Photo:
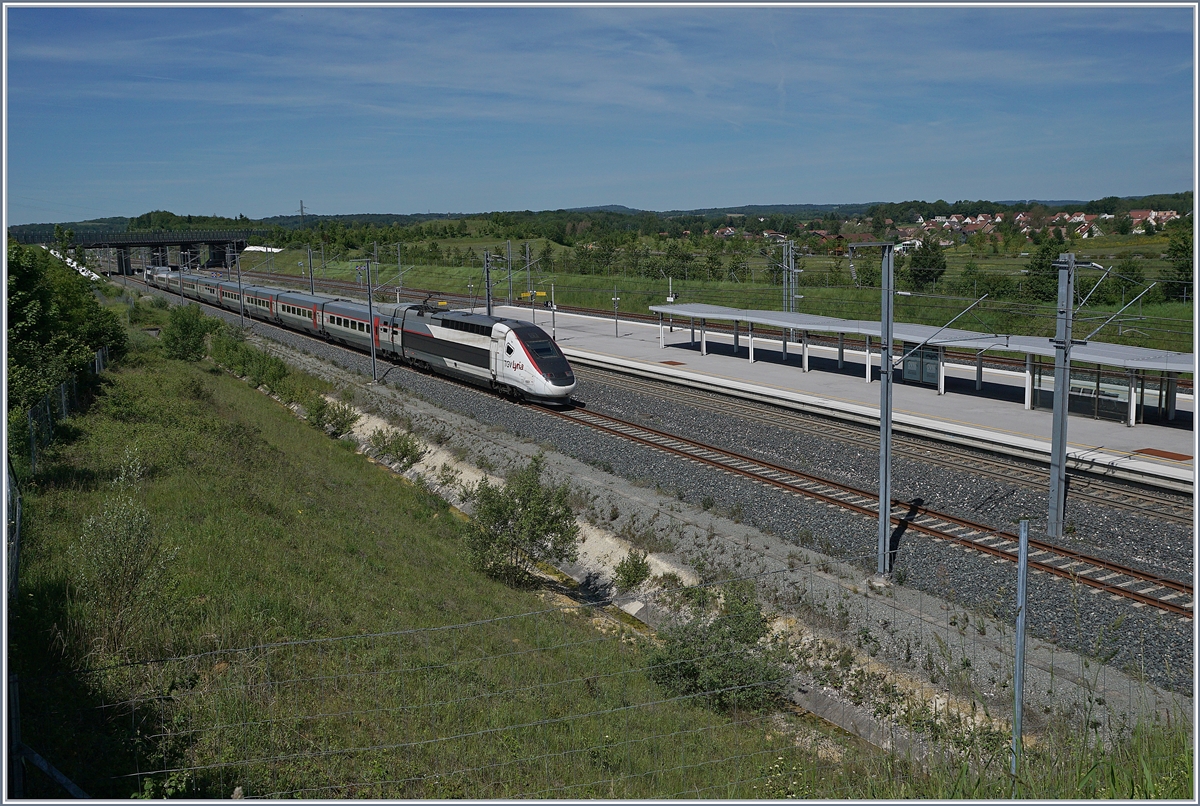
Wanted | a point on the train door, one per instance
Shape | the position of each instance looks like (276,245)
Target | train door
(497,353)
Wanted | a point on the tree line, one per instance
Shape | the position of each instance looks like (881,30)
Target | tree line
(55,325)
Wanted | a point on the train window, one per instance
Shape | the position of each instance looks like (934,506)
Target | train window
(508,349)
(543,349)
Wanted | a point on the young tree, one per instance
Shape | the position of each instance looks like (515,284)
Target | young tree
(183,337)
(521,523)
(927,264)
(1179,252)
(1126,282)
(1042,282)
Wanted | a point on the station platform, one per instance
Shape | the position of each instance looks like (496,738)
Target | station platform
(993,418)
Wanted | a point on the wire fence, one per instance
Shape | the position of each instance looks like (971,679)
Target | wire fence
(57,404)
(13,522)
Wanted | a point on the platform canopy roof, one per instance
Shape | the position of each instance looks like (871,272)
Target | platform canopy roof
(1094,352)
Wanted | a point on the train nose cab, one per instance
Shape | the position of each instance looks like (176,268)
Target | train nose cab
(532,363)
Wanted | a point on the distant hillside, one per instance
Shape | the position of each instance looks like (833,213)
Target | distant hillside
(380,219)
(798,210)
(162,220)
(607,208)
(114,224)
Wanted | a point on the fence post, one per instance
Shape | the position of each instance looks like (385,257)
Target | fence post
(13,546)
(32,444)
(16,762)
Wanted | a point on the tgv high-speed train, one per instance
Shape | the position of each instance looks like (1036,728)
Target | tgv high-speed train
(513,357)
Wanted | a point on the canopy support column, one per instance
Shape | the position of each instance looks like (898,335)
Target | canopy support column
(1131,376)
(1172,389)
(941,370)
(1028,381)
(979,371)
(750,339)
(841,350)
(804,350)
(662,339)
(867,358)
(736,345)
(703,338)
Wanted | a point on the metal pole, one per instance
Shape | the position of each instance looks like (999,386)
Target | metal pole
(399,273)
(553,308)
(508,252)
(885,411)
(487,281)
(241,299)
(371,329)
(1062,393)
(1019,653)
(616,322)
(529,283)
(312,288)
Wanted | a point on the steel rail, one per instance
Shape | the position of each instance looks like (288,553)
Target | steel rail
(843,495)
(1084,486)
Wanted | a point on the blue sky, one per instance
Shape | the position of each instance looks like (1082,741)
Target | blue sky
(231,111)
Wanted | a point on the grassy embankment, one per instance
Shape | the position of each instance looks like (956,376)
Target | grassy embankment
(273,534)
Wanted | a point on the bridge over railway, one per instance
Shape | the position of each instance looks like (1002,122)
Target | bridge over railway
(157,248)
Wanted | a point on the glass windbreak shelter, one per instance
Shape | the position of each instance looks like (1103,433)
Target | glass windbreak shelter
(920,366)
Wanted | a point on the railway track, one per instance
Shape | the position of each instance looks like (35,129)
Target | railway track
(1141,588)
(1083,487)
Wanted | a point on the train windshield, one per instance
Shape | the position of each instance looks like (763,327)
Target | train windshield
(545,353)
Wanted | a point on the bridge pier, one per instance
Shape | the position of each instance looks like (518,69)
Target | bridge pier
(218,255)
(122,260)
(160,256)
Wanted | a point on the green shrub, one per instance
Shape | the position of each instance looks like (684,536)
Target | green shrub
(122,571)
(341,417)
(316,409)
(401,446)
(632,571)
(724,660)
(523,522)
(183,336)
(229,349)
